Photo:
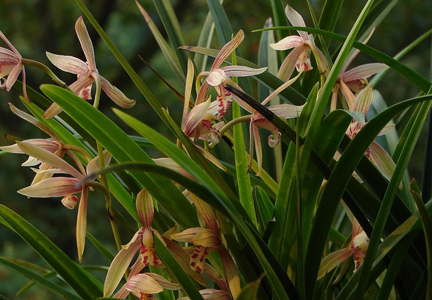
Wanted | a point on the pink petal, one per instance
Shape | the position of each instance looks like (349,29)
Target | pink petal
(332,260)
(288,42)
(13,76)
(288,65)
(227,50)
(382,160)
(68,64)
(81,225)
(145,209)
(8,61)
(286,111)
(363,100)
(116,95)
(195,116)
(86,43)
(242,71)
(118,268)
(49,145)
(50,158)
(52,187)
(363,71)
(296,20)
(143,283)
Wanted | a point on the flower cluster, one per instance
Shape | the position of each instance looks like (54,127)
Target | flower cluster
(72,172)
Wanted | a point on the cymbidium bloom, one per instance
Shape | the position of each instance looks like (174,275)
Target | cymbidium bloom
(11,66)
(219,76)
(357,247)
(375,152)
(211,294)
(198,124)
(299,57)
(86,72)
(145,285)
(62,186)
(205,241)
(354,80)
(285,111)
(142,241)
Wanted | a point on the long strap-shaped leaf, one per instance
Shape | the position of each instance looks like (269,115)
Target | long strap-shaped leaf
(419,80)
(38,279)
(338,181)
(123,149)
(235,212)
(78,279)
(67,137)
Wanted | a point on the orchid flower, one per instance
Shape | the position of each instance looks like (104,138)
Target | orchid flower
(299,57)
(353,81)
(375,152)
(65,187)
(142,241)
(54,145)
(145,285)
(198,123)
(86,72)
(211,294)
(219,76)
(357,247)
(285,111)
(205,241)
(11,65)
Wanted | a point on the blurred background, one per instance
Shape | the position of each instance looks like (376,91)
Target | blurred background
(37,26)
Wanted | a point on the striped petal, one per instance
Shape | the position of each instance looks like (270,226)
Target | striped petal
(382,160)
(86,43)
(242,71)
(227,49)
(68,64)
(118,268)
(292,41)
(145,209)
(50,158)
(296,20)
(116,95)
(363,71)
(52,187)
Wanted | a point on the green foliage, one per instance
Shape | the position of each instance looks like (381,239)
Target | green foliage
(224,217)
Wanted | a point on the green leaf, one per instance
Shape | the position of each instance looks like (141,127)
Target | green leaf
(265,207)
(180,275)
(241,163)
(68,136)
(38,279)
(172,27)
(78,279)
(222,24)
(250,291)
(416,78)
(124,149)
(330,14)
(267,79)
(236,212)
